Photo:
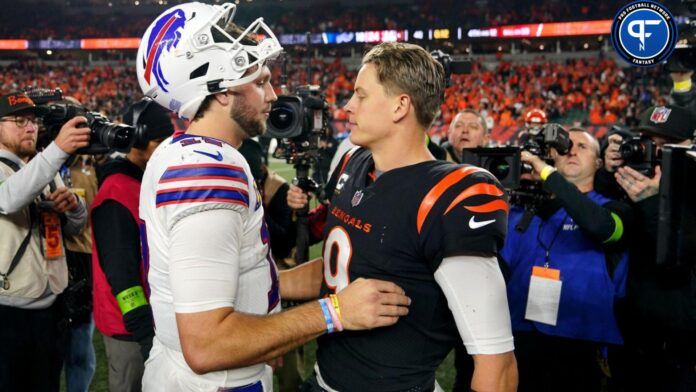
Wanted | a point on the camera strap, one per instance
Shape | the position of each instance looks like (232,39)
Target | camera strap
(4,281)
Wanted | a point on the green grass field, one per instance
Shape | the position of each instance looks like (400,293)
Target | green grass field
(445,374)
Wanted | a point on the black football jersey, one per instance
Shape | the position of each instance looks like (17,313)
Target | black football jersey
(398,228)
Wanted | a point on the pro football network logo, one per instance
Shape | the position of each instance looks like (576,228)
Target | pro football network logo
(644,33)
(165,35)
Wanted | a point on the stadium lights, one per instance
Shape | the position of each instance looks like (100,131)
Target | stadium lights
(586,45)
(541,47)
(49,52)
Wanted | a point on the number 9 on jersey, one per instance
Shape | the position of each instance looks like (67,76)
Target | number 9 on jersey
(337,253)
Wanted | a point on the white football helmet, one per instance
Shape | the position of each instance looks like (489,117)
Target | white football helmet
(186,55)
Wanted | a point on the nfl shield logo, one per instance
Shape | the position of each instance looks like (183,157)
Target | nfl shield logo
(660,114)
(357,197)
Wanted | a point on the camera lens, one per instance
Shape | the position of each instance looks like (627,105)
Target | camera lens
(281,117)
(113,136)
(632,150)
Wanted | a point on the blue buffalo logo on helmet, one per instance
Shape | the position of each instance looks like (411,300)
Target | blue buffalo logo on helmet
(165,35)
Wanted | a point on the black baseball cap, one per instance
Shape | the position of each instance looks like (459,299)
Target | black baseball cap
(672,122)
(16,102)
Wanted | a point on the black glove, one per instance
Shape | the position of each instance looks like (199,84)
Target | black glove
(139,323)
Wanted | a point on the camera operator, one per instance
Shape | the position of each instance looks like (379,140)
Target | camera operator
(658,318)
(121,309)
(33,202)
(467,130)
(574,246)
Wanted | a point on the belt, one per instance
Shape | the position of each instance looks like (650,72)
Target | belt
(254,387)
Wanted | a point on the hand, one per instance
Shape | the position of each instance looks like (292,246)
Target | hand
(371,303)
(63,200)
(681,76)
(536,163)
(71,138)
(637,186)
(297,199)
(612,157)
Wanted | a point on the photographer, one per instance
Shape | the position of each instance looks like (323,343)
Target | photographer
(119,271)
(567,270)
(658,318)
(33,202)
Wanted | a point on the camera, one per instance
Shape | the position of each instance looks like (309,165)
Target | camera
(105,136)
(505,162)
(293,116)
(451,66)
(540,141)
(298,122)
(640,154)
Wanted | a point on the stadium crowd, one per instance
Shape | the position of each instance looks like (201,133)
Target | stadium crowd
(580,91)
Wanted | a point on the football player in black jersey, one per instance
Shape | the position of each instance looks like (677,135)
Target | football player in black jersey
(432,227)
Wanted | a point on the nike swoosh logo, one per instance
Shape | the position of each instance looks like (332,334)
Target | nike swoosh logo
(477,225)
(217,157)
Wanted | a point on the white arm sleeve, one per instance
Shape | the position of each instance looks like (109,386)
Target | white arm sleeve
(476,295)
(204,263)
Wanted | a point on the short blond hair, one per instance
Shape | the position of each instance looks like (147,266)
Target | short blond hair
(409,69)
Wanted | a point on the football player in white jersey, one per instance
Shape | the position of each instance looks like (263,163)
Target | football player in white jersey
(214,289)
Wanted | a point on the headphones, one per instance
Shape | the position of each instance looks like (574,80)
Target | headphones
(140,139)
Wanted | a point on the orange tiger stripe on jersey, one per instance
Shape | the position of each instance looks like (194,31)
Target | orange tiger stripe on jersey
(478,189)
(440,188)
(491,206)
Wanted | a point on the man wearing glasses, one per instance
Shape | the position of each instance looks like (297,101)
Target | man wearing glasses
(33,271)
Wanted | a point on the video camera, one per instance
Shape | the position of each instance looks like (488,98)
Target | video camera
(641,154)
(299,122)
(54,113)
(451,66)
(505,163)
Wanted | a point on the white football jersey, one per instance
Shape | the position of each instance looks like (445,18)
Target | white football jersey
(189,175)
